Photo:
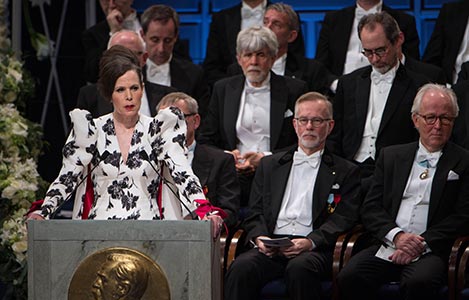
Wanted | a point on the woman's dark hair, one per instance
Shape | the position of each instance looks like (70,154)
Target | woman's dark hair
(114,63)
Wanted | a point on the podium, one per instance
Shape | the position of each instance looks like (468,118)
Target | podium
(61,251)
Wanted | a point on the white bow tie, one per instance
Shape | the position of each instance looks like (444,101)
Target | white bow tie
(154,69)
(377,77)
(256,90)
(247,13)
(312,160)
(360,12)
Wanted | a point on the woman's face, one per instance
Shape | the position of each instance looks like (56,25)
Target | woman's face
(127,94)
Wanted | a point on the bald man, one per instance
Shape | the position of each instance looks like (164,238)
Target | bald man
(89,98)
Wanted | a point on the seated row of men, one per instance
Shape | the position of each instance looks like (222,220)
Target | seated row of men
(338,47)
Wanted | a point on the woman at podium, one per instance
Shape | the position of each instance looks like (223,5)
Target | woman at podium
(122,155)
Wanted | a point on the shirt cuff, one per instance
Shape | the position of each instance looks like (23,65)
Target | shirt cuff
(389,237)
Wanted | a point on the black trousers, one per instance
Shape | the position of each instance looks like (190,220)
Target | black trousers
(252,270)
(365,273)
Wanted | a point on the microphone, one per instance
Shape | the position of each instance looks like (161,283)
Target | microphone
(144,156)
(101,158)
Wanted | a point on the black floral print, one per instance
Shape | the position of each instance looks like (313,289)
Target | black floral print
(155,127)
(124,191)
(134,160)
(108,128)
(136,138)
(69,149)
(68,181)
(180,139)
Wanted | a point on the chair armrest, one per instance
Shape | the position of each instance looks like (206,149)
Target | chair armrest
(457,264)
(343,250)
(232,247)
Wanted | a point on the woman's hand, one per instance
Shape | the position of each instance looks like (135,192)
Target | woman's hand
(34,216)
(217,224)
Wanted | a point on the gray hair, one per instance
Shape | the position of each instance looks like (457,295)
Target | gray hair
(438,88)
(314,97)
(174,97)
(293,21)
(256,38)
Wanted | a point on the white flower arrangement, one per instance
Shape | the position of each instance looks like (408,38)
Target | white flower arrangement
(20,146)
(14,236)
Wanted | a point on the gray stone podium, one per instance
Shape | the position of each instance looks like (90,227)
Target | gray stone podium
(184,250)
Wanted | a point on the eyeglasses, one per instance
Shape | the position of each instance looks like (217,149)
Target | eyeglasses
(380,52)
(316,122)
(431,119)
(189,115)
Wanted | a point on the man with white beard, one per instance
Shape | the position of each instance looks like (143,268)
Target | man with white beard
(250,115)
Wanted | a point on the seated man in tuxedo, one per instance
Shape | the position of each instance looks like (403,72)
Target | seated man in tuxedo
(339,47)
(224,28)
(250,115)
(305,193)
(160,30)
(284,22)
(214,168)
(418,204)
(372,104)
(91,100)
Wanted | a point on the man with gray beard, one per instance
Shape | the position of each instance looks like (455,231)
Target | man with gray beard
(250,115)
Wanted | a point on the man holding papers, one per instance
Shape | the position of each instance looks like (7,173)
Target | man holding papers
(305,194)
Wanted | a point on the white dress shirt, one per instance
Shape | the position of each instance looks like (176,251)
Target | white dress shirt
(296,212)
(380,87)
(159,73)
(132,23)
(413,211)
(463,54)
(354,58)
(252,16)
(144,105)
(279,65)
(253,123)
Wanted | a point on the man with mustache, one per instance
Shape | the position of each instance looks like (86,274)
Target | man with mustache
(306,194)
(372,104)
(250,115)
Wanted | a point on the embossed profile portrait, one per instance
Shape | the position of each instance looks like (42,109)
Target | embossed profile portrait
(119,274)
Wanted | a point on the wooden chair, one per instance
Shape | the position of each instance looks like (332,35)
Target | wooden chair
(456,267)
(276,289)
(458,271)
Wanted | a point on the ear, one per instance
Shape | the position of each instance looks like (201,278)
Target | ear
(331,126)
(123,290)
(414,119)
(293,35)
(400,39)
(144,58)
(196,121)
